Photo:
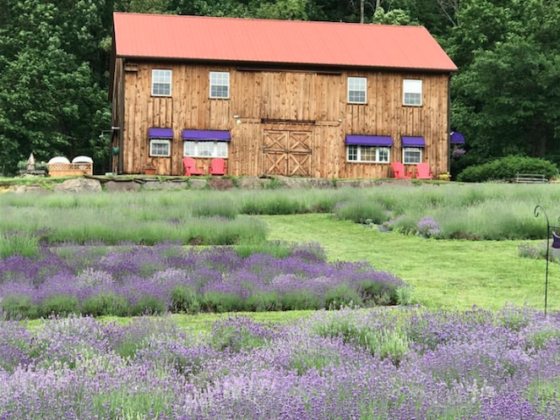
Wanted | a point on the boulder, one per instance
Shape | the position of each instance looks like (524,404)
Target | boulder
(250,183)
(198,183)
(221,184)
(79,185)
(289,182)
(354,183)
(122,186)
(24,189)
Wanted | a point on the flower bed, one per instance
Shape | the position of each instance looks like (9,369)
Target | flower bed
(380,364)
(92,280)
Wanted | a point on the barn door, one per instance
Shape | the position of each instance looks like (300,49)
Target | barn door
(275,156)
(287,153)
(299,153)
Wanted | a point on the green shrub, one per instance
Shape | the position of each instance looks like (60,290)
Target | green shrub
(16,243)
(224,208)
(303,299)
(342,296)
(59,305)
(264,302)
(362,211)
(507,168)
(105,304)
(276,249)
(184,299)
(377,293)
(19,306)
(222,302)
(148,305)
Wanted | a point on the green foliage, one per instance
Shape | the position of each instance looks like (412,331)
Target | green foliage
(303,299)
(147,305)
(105,304)
(184,299)
(59,305)
(263,302)
(362,211)
(19,306)
(507,168)
(342,296)
(18,243)
(503,100)
(221,302)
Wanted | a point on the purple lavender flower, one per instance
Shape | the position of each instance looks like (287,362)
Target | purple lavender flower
(428,227)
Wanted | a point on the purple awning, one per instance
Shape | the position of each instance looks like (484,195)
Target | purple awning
(413,142)
(160,133)
(383,141)
(457,138)
(206,135)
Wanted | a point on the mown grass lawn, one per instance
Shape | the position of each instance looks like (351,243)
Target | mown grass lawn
(444,273)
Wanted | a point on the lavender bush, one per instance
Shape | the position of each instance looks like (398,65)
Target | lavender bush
(538,251)
(348,364)
(135,280)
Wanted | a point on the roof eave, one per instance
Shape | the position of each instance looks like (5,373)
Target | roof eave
(273,64)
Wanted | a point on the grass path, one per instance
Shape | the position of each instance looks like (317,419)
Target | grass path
(444,274)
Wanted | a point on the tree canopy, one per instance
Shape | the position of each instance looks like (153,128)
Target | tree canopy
(54,59)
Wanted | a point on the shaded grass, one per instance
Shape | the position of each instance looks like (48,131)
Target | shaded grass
(444,274)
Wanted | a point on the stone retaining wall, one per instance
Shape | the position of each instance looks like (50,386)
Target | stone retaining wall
(98,184)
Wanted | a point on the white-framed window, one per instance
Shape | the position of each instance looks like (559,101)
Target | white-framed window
(412,92)
(206,149)
(412,155)
(357,90)
(161,82)
(160,147)
(368,154)
(219,85)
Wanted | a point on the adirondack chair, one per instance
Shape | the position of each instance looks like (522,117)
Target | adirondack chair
(217,167)
(423,171)
(398,171)
(190,167)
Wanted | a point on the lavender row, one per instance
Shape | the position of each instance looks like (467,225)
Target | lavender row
(136,280)
(349,364)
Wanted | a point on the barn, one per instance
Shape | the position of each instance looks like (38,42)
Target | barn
(314,99)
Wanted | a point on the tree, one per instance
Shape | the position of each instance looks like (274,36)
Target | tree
(52,104)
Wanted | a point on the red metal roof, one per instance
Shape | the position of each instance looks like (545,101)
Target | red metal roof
(278,41)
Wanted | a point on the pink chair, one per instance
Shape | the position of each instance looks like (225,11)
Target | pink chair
(423,171)
(217,167)
(190,167)
(398,171)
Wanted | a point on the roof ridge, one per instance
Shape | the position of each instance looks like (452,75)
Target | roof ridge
(328,22)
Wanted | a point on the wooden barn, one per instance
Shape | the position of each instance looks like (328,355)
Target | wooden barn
(319,99)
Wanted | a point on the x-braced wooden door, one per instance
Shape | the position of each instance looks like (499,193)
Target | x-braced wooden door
(287,153)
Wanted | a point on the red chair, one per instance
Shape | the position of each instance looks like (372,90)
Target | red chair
(217,167)
(398,171)
(423,171)
(190,167)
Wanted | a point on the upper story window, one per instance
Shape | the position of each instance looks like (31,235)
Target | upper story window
(160,148)
(219,85)
(412,92)
(357,88)
(161,82)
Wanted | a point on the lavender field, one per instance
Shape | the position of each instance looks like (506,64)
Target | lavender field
(348,364)
(134,280)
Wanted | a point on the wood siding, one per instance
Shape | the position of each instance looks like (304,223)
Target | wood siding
(274,101)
